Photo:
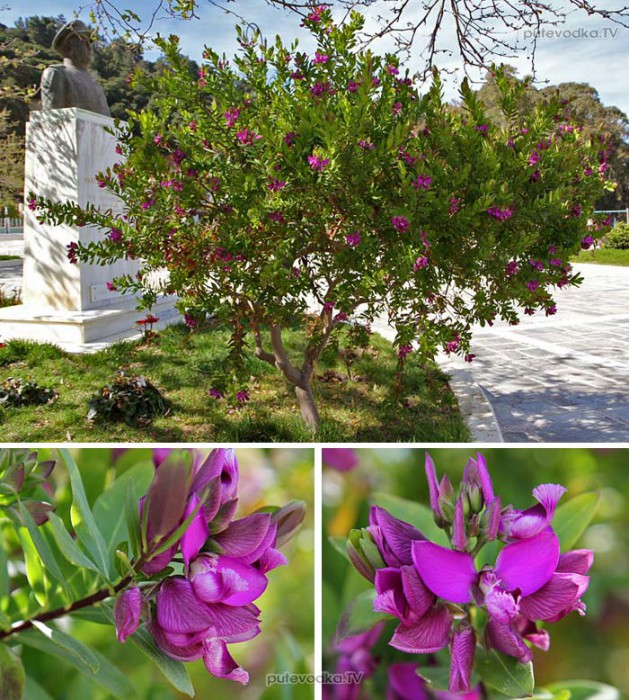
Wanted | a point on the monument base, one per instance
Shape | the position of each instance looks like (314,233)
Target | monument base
(82,331)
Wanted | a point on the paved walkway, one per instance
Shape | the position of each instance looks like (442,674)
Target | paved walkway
(563,378)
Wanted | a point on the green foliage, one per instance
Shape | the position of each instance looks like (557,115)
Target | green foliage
(505,673)
(133,400)
(288,186)
(573,517)
(12,675)
(16,392)
(618,237)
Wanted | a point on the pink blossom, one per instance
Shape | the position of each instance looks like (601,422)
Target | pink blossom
(534,158)
(73,252)
(481,128)
(191,322)
(576,211)
(290,138)
(247,137)
(397,108)
(115,235)
(532,285)
(587,242)
(216,394)
(353,239)
(202,81)
(400,223)
(276,185)
(353,86)
(157,139)
(192,126)
(420,263)
(317,163)
(455,205)
(297,75)
(392,70)
(422,182)
(341,316)
(366,145)
(277,216)
(328,306)
(320,57)
(500,214)
(231,116)
(404,350)
(321,88)
(32,204)
(512,268)
(242,396)
(111,287)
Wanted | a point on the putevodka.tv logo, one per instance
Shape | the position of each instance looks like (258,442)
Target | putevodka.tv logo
(325,678)
(578,33)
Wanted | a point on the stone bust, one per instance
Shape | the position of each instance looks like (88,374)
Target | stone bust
(70,84)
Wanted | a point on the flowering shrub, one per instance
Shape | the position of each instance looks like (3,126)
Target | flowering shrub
(176,573)
(481,580)
(286,188)
(618,237)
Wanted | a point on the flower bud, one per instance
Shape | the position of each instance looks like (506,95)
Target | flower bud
(364,553)
(288,520)
(127,611)
(447,499)
(459,537)
(490,520)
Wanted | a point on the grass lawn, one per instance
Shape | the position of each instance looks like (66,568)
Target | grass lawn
(10,257)
(603,256)
(181,365)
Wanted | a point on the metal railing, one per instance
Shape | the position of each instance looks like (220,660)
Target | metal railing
(617,214)
(11,225)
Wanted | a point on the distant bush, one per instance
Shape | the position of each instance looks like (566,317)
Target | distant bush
(133,400)
(17,392)
(618,237)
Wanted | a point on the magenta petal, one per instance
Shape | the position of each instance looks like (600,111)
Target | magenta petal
(245,536)
(343,459)
(226,580)
(363,640)
(578,561)
(161,561)
(538,637)
(178,610)
(501,605)
(522,525)
(390,598)
(462,650)
(549,495)
(234,624)
(196,533)
(418,597)
(191,652)
(528,564)
(426,635)
(127,609)
(433,484)
(271,559)
(558,595)
(448,574)
(396,535)
(219,663)
(507,640)
(459,538)
(405,683)
(485,480)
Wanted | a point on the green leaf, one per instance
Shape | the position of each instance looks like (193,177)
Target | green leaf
(585,690)
(414,513)
(107,675)
(69,548)
(83,519)
(109,509)
(12,677)
(44,551)
(505,673)
(572,518)
(132,518)
(175,671)
(437,676)
(34,569)
(34,691)
(4,570)
(359,616)
(69,644)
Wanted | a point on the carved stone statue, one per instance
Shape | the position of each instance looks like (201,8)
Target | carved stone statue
(70,84)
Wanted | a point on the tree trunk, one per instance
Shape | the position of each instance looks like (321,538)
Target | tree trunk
(308,407)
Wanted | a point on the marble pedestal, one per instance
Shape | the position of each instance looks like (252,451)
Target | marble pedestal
(69,304)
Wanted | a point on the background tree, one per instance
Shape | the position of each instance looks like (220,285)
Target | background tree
(328,190)
(586,107)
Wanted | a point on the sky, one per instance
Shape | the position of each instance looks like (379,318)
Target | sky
(589,50)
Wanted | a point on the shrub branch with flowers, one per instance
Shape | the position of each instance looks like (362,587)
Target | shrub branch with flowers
(175,572)
(481,580)
(331,189)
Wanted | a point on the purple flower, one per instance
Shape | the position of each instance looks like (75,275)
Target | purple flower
(111,287)
(534,158)
(353,86)
(455,205)
(127,610)
(576,211)
(400,223)
(290,138)
(115,235)
(216,393)
(231,116)
(392,70)
(462,648)
(422,182)
(532,285)
(366,145)
(353,239)
(404,350)
(397,108)
(500,214)
(518,524)
(276,185)
(247,137)
(420,263)
(512,268)
(320,88)
(341,459)
(73,252)
(317,163)
(481,128)
(242,396)
(320,57)
(277,216)
(148,204)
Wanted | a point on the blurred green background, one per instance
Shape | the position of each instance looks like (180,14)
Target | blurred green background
(594,647)
(267,477)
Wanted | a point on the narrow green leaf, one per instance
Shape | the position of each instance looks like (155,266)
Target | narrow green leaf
(69,548)
(83,519)
(34,691)
(12,676)
(359,616)
(572,518)
(505,673)
(132,518)
(586,690)
(44,551)
(107,675)
(4,570)
(34,569)
(175,671)
(414,513)
(109,509)
(69,644)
